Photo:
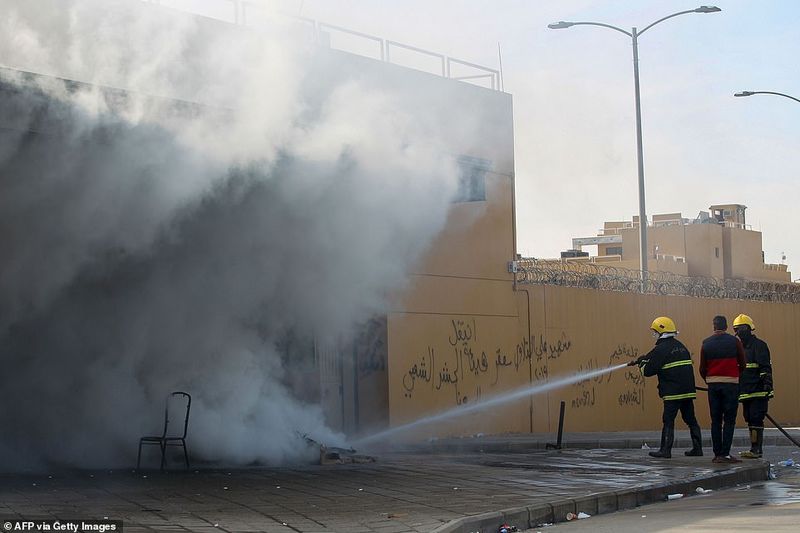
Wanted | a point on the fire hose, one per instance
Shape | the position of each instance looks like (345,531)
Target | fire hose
(770,419)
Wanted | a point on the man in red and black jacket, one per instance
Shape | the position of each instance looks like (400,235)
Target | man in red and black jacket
(721,363)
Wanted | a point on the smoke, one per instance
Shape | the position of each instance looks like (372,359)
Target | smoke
(226,199)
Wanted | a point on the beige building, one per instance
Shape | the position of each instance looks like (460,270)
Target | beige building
(718,243)
(467,329)
(473,325)
(476,321)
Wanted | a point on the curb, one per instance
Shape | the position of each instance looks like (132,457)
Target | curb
(601,502)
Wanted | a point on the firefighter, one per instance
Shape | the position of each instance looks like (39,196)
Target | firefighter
(672,363)
(755,383)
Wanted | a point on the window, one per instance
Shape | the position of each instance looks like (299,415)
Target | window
(614,250)
(716,252)
(472,179)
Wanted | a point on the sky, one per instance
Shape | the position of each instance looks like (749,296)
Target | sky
(574,103)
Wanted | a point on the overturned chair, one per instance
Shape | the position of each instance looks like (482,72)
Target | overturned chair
(176,402)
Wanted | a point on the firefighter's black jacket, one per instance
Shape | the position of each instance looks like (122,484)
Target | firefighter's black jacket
(672,363)
(756,379)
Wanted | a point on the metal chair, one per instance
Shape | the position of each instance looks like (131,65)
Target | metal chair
(165,439)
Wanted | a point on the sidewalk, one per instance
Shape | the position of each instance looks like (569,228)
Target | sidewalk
(401,492)
(525,442)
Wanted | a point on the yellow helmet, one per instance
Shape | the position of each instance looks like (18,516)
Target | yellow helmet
(744,320)
(663,324)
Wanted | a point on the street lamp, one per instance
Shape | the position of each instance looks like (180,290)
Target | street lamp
(634,35)
(751,93)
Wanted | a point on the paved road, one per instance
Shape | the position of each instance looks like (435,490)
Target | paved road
(772,506)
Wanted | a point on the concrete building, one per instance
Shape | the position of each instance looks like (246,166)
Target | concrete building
(717,243)
(469,325)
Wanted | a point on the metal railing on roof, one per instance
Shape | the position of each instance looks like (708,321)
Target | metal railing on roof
(447,67)
(589,275)
(660,223)
(592,259)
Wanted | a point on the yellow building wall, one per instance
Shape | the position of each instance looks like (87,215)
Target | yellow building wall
(460,334)
(603,327)
(668,265)
(451,360)
(455,333)
(443,362)
(745,255)
(705,250)
(630,244)
(459,331)
(697,243)
(653,265)
(669,240)
(773,274)
(710,250)
(477,241)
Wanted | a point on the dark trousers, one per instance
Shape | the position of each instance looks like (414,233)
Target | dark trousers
(754,411)
(723,402)
(686,407)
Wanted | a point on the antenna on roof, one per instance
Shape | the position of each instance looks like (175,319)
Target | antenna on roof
(500,59)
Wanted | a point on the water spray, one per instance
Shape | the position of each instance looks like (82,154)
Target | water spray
(492,402)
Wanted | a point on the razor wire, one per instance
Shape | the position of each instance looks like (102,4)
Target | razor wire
(610,278)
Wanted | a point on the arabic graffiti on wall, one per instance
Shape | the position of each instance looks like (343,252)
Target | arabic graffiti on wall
(464,364)
(467,363)
(633,388)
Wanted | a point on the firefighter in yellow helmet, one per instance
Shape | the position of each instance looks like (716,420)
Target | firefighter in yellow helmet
(755,383)
(672,363)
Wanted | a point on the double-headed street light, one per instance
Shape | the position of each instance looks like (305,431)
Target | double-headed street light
(634,35)
(751,93)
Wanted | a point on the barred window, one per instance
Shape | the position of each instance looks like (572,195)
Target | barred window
(472,179)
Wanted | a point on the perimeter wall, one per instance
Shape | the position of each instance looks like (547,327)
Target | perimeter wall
(467,344)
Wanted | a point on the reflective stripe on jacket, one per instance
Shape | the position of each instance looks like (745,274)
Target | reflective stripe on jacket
(756,379)
(672,363)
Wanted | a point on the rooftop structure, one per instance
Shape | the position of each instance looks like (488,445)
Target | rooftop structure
(717,243)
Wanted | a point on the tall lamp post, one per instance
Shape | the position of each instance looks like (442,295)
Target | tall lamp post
(751,93)
(634,35)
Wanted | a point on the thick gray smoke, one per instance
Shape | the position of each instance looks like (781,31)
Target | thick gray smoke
(178,233)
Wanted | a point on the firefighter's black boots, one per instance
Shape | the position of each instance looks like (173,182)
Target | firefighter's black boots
(697,443)
(667,438)
(756,443)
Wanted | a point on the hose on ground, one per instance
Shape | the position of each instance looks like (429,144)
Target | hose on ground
(771,420)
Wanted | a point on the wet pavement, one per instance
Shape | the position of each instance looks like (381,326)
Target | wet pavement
(524,442)
(766,506)
(401,492)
